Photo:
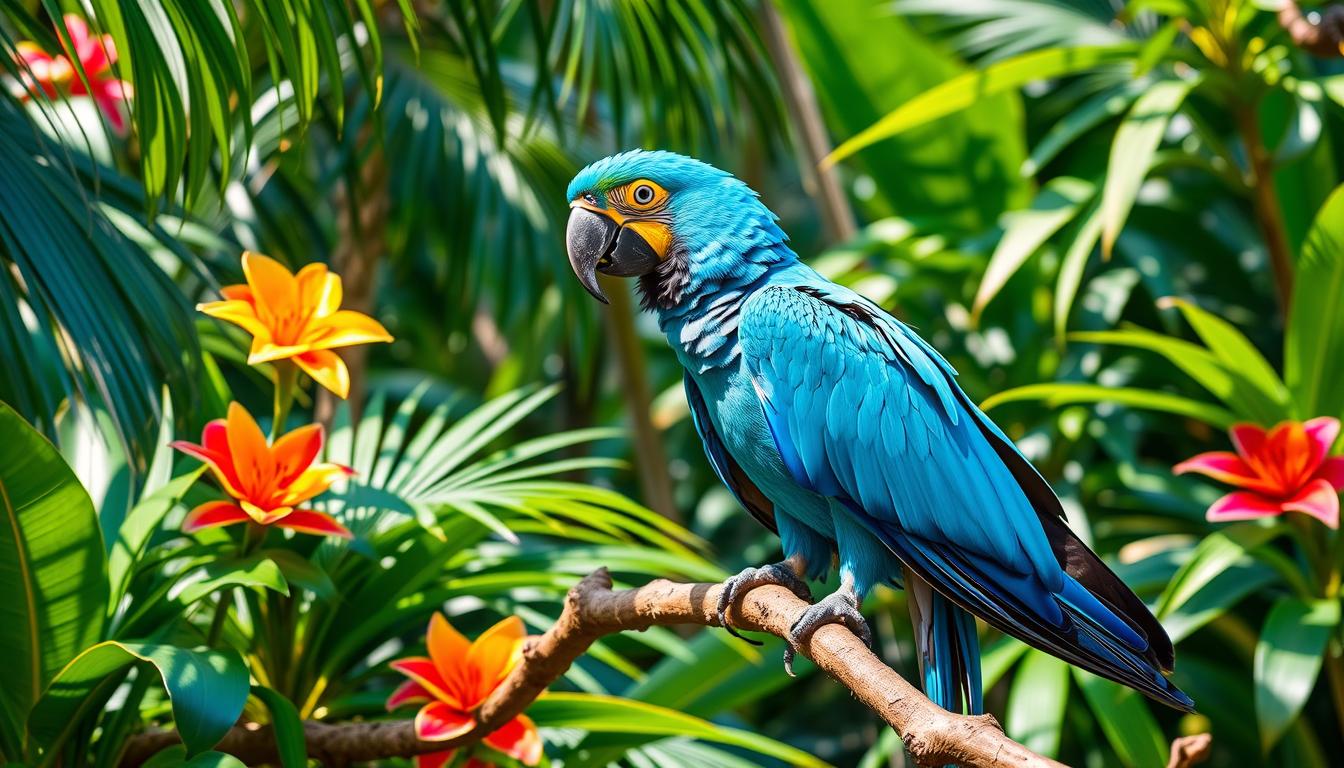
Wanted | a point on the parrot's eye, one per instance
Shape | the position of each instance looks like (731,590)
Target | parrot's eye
(590,198)
(643,196)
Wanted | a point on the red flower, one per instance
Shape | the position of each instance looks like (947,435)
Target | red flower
(1284,470)
(455,680)
(40,70)
(267,482)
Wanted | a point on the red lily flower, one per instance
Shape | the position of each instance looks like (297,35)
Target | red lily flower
(40,70)
(267,482)
(1284,470)
(453,682)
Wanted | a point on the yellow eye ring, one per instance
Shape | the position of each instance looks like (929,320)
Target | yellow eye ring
(643,195)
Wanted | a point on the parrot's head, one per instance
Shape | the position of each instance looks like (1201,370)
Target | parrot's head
(664,217)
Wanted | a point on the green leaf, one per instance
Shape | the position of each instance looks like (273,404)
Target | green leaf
(207,689)
(1036,702)
(1124,717)
(1314,344)
(176,757)
(1257,385)
(287,727)
(53,572)
(1132,152)
(1288,660)
(865,60)
(302,572)
(255,570)
(1066,393)
(1026,231)
(1215,554)
(609,714)
(133,533)
(965,90)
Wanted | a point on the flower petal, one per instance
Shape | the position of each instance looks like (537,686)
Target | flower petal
(1242,505)
(109,97)
(1332,471)
(435,759)
(294,452)
(310,521)
(1225,467)
(518,739)
(314,280)
(241,313)
(273,287)
(1322,431)
(422,670)
(328,369)
(437,721)
(448,650)
(252,459)
(1318,499)
(346,328)
(409,692)
(213,514)
(493,655)
(214,451)
(239,292)
(1248,439)
(312,482)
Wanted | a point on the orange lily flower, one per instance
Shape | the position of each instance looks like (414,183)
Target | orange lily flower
(40,70)
(296,317)
(1286,469)
(455,680)
(267,482)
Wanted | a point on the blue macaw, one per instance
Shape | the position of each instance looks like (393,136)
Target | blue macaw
(839,428)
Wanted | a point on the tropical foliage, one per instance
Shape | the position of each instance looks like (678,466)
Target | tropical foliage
(1123,223)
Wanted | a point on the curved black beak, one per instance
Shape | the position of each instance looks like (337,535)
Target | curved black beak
(595,244)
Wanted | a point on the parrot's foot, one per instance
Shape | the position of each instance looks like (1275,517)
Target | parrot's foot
(784,574)
(839,607)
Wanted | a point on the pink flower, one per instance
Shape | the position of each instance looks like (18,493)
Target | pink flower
(51,75)
(1283,470)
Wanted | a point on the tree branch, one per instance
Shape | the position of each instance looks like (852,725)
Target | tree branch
(592,610)
(1321,33)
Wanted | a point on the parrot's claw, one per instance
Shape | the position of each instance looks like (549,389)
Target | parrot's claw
(736,587)
(839,607)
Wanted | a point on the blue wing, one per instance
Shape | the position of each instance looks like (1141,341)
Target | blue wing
(864,411)
(723,463)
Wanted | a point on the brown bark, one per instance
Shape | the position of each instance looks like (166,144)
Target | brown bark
(813,143)
(592,610)
(360,246)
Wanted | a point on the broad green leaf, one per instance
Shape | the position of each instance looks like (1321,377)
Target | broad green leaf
(287,727)
(965,90)
(1132,152)
(1314,344)
(1124,717)
(998,658)
(1258,385)
(176,757)
(1066,393)
(1036,702)
(864,60)
(53,572)
(1074,263)
(255,570)
(302,572)
(1026,231)
(1288,659)
(1193,360)
(1224,591)
(1215,554)
(207,688)
(609,714)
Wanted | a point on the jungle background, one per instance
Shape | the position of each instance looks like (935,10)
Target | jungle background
(1119,222)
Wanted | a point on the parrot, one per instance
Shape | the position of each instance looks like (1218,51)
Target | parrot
(844,432)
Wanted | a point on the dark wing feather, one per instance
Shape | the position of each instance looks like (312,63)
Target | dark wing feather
(725,466)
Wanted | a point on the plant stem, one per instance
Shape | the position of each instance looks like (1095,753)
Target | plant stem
(1265,202)
(286,379)
(252,538)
